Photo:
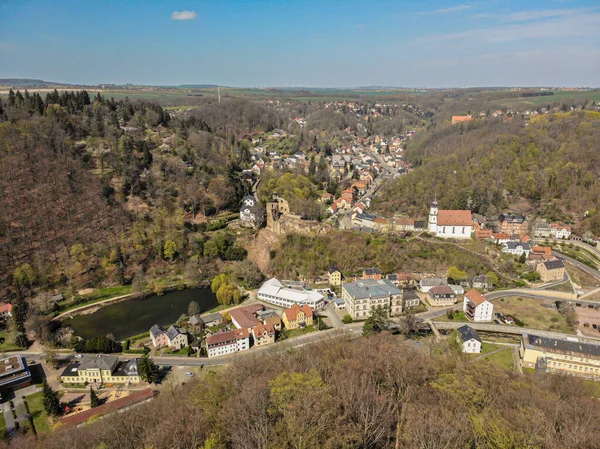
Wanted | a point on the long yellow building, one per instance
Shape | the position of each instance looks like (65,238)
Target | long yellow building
(104,369)
(567,357)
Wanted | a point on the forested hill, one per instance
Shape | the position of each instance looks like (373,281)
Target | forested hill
(548,165)
(94,190)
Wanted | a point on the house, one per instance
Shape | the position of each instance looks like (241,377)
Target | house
(450,224)
(14,373)
(553,270)
(517,248)
(326,197)
(297,316)
(251,213)
(559,231)
(365,295)
(212,319)
(245,317)
(471,342)
(427,284)
(177,337)
(513,223)
(335,276)
(410,299)
(500,238)
(372,273)
(274,292)
(476,307)
(263,334)
(159,336)
(393,278)
(196,321)
(460,119)
(224,343)
(6,310)
(568,357)
(483,234)
(545,252)
(441,295)
(57,298)
(481,282)
(457,289)
(339,303)
(101,369)
(542,229)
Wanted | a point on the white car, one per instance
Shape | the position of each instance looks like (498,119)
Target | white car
(78,356)
(188,374)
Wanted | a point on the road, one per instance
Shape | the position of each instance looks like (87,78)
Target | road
(581,266)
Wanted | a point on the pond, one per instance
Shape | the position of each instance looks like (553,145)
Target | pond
(136,316)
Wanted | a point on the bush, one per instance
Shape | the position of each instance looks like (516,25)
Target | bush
(347,319)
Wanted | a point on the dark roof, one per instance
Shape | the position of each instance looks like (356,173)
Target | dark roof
(211,317)
(562,345)
(554,264)
(156,330)
(512,218)
(392,277)
(468,333)
(333,269)
(372,271)
(441,290)
(174,331)
(409,294)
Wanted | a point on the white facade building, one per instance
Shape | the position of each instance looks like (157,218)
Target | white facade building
(450,224)
(476,307)
(471,342)
(274,292)
(227,342)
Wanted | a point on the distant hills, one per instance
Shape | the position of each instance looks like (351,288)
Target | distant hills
(27,82)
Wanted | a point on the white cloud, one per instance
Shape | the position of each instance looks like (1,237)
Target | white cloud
(522,16)
(449,10)
(184,15)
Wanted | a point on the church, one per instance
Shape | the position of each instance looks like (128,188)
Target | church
(450,224)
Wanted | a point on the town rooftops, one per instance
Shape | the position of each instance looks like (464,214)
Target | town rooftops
(433,282)
(211,317)
(441,290)
(223,338)
(174,331)
(515,245)
(454,218)
(156,330)
(6,308)
(372,271)
(10,365)
(244,316)
(292,312)
(366,288)
(105,362)
(554,264)
(274,288)
(556,345)
(475,297)
(195,320)
(512,218)
(500,236)
(468,333)
(333,269)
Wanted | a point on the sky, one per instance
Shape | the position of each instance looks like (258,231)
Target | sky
(326,43)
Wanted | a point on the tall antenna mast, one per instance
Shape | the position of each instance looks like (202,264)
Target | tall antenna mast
(219,92)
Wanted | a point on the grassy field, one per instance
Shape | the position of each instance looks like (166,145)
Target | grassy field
(459,317)
(41,420)
(8,344)
(580,277)
(486,348)
(297,332)
(579,254)
(564,287)
(543,101)
(503,358)
(98,295)
(530,312)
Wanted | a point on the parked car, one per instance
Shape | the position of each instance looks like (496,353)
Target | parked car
(78,356)
(595,326)
(496,322)
(188,374)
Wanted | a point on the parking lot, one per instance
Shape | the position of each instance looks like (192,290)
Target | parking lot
(589,316)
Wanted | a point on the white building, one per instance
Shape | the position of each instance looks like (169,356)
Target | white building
(227,342)
(274,292)
(476,307)
(559,231)
(471,342)
(450,224)
(427,284)
(517,248)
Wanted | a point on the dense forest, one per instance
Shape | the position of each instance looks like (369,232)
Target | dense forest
(376,392)
(95,191)
(548,165)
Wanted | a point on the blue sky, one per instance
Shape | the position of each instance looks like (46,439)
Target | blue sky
(303,43)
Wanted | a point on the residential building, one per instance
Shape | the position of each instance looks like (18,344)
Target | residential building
(212,319)
(6,310)
(372,273)
(441,295)
(476,307)
(365,295)
(500,238)
(569,356)
(263,334)
(542,229)
(460,119)
(560,231)
(196,321)
(177,337)
(245,317)
(457,289)
(14,373)
(224,343)
(517,248)
(251,213)
(551,271)
(159,336)
(470,339)
(101,369)
(335,276)
(410,299)
(427,284)
(274,292)
(297,316)
(483,233)
(481,282)
(513,223)
(339,303)
(450,224)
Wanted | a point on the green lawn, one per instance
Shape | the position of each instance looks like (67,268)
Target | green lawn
(564,287)
(101,294)
(486,348)
(2,427)
(459,317)
(502,358)
(8,345)
(530,312)
(298,332)
(36,408)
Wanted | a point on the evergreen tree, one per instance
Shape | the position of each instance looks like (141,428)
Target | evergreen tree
(51,401)
(11,98)
(147,369)
(94,399)
(19,312)
(377,322)
(313,166)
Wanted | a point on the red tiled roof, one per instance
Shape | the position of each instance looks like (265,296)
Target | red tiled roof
(501,236)
(244,316)
(292,312)
(454,218)
(475,297)
(6,308)
(223,337)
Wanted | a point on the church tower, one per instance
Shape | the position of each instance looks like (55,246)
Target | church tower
(433,216)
